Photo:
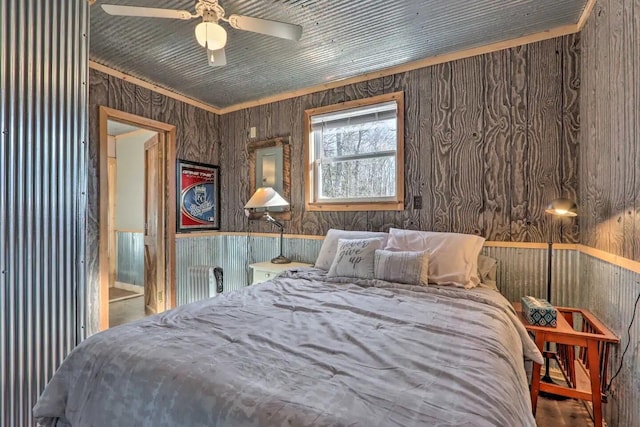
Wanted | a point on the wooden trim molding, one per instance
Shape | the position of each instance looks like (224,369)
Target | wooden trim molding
(103,242)
(168,134)
(158,89)
(617,260)
(586,12)
(245,234)
(531,245)
(355,207)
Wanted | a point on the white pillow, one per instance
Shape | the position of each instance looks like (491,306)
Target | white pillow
(355,258)
(453,257)
(330,244)
(402,267)
(487,267)
(487,270)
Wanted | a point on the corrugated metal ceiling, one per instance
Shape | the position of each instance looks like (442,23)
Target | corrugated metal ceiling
(341,39)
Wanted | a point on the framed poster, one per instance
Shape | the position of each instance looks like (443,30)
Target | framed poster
(198,196)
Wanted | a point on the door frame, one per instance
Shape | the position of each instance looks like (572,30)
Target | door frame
(169,193)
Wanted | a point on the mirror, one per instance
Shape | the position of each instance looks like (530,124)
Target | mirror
(270,166)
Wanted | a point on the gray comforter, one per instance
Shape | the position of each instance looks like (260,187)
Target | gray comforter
(302,350)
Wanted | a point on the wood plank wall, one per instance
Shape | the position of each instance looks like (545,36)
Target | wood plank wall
(489,141)
(610,118)
(196,139)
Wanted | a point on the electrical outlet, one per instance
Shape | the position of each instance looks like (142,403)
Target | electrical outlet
(417,202)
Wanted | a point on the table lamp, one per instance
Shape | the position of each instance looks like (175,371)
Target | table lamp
(564,208)
(267,197)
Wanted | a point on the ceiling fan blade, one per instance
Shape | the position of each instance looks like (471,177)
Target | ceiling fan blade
(283,30)
(217,58)
(146,12)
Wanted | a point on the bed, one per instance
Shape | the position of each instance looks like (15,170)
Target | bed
(305,349)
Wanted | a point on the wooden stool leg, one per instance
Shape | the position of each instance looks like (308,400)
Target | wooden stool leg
(594,373)
(535,374)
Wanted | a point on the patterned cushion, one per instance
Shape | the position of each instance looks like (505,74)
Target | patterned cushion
(330,244)
(409,267)
(355,258)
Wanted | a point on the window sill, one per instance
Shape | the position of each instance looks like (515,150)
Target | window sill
(363,206)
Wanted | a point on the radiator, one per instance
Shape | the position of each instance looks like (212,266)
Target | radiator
(205,281)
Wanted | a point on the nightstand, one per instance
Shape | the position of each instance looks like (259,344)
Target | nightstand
(263,271)
(585,372)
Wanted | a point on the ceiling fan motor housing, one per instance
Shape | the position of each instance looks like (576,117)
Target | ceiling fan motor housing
(205,7)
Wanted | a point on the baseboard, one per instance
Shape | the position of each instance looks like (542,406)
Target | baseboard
(130,287)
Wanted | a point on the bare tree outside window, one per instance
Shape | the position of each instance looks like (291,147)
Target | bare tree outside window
(355,154)
(369,177)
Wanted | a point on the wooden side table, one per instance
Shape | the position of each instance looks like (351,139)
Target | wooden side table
(585,373)
(263,271)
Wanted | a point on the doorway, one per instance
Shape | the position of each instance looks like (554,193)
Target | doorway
(137,219)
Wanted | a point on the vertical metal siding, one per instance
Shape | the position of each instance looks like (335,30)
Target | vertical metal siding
(610,292)
(234,254)
(130,257)
(43,101)
(523,271)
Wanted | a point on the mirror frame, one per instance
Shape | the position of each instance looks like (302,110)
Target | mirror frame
(253,147)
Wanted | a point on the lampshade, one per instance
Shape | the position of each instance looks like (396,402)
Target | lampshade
(562,207)
(211,35)
(266,197)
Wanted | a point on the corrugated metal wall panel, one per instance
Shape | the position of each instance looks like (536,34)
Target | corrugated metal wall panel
(234,253)
(262,248)
(610,292)
(199,251)
(130,258)
(520,271)
(43,102)
(523,271)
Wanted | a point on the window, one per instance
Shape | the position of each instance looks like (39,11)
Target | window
(355,155)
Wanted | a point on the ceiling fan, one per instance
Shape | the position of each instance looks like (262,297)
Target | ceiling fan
(209,33)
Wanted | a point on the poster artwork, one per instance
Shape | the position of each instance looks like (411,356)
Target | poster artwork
(198,197)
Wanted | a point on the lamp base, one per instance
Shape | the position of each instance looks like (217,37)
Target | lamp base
(551,396)
(280,259)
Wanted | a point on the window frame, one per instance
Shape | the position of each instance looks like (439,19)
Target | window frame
(396,203)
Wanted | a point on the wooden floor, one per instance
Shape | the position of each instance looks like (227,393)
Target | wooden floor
(117,294)
(561,413)
(126,310)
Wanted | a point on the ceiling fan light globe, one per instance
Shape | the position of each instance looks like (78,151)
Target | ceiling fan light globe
(211,35)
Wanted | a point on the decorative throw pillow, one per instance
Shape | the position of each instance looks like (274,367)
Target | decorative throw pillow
(453,257)
(409,267)
(355,258)
(330,244)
